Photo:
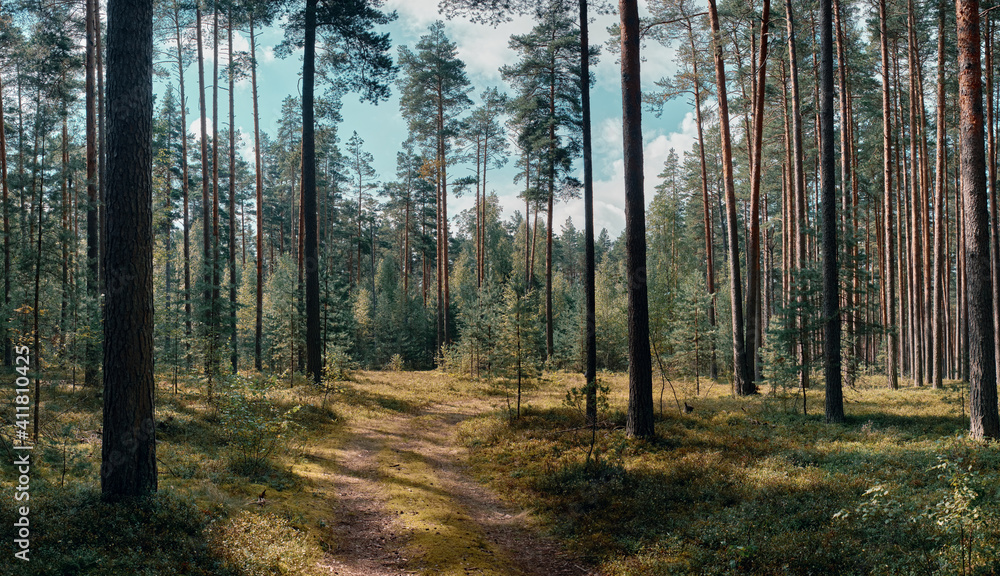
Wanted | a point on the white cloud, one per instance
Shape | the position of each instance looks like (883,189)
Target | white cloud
(195,127)
(483,48)
(609,186)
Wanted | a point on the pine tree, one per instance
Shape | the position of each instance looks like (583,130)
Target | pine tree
(434,94)
(128,454)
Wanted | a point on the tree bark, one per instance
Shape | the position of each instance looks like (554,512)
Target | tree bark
(6,227)
(940,212)
(206,215)
(313,360)
(128,452)
(831,279)
(753,330)
(639,422)
(706,209)
(92,351)
(742,385)
(184,185)
(259,169)
(887,210)
(982,373)
(234,354)
(590,304)
(799,195)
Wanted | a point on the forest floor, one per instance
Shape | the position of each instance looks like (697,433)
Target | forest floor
(393,473)
(405,502)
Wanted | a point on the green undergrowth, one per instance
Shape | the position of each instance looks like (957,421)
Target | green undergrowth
(215,460)
(753,486)
(274,437)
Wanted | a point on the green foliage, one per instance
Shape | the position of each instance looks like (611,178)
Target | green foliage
(734,489)
(576,398)
(254,426)
(339,364)
(74,532)
(954,526)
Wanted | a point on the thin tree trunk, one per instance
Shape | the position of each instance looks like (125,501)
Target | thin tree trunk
(940,212)
(184,187)
(753,329)
(35,332)
(234,356)
(590,307)
(313,359)
(259,170)
(916,194)
(6,227)
(848,224)
(102,157)
(206,221)
(887,210)
(92,352)
(742,385)
(706,210)
(216,324)
(799,186)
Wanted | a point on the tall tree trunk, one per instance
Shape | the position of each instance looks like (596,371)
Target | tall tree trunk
(184,186)
(916,206)
(64,225)
(982,374)
(831,279)
(216,324)
(991,183)
(549,351)
(259,170)
(35,332)
(590,306)
(102,157)
(234,355)
(887,210)
(742,385)
(847,216)
(799,194)
(6,228)
(706,209)
(753,330)
(640,405)
(206,215)
(92,352)
(313,360)
(128,452)
(940,212)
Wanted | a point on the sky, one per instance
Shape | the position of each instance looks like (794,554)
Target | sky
(483,49)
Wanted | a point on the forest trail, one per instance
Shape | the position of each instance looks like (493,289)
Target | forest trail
(404,503)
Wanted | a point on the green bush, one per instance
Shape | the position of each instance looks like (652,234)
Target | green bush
(74,533)
(254,426)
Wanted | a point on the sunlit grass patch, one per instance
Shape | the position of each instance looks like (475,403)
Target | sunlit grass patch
(750,486)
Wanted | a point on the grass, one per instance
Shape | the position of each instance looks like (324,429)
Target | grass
(206,518)
(738,486)
(752,487)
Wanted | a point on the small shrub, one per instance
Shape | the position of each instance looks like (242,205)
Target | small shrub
(254,427)
(576,398)
(339,364)
(396,363)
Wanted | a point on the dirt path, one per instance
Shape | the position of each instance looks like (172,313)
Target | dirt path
(406,505)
